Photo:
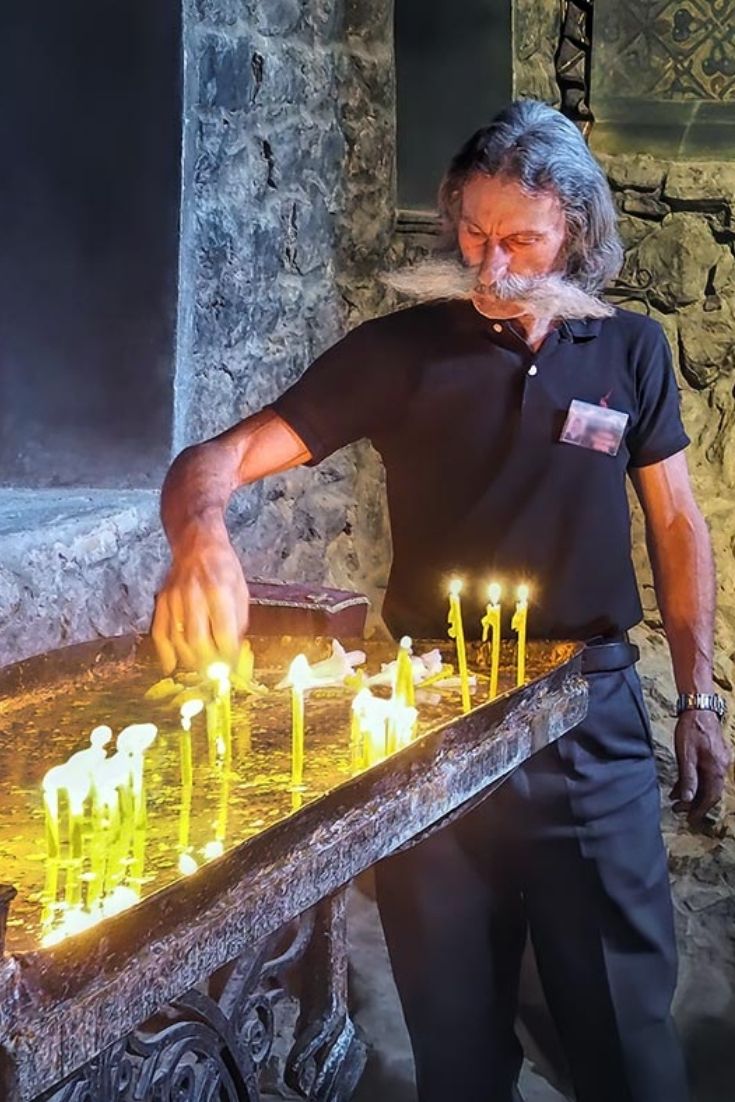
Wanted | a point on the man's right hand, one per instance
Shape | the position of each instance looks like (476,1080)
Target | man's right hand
(202,610)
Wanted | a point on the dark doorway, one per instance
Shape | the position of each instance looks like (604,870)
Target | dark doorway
(454,72)
(90,140)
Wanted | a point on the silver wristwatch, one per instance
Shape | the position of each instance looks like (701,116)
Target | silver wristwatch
(708,702)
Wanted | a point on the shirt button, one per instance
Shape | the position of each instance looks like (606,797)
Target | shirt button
(498,328)
(533,370)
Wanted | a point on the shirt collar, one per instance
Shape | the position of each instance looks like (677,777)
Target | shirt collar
(580,329)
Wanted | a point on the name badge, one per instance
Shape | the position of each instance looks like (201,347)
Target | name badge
(595,427)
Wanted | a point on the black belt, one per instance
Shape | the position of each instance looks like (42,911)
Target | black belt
(606,655)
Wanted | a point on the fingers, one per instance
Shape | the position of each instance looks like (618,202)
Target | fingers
(688,781)
(225,626)
(160,631)
(182,631)
(709,793)
(192,629)
(202,612)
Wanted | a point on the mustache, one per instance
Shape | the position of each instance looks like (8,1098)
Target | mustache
(544,296)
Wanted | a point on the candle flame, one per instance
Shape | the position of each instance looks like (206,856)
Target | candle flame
(189,709)
(455,587)
(187,864)
(136,738)
(406,642)
(299,673)
(522,594)
(219,672)
(100,736)
(494,591)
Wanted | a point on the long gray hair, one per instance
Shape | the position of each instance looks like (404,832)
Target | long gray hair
(540,148)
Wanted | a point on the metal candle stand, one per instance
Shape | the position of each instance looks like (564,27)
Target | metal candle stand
(181,996)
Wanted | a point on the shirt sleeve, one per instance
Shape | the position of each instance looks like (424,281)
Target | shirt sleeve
(657,432)
(356,389)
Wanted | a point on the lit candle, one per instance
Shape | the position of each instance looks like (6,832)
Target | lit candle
(491,623)
(77,789)
(137,863)
(456,632)
(219,713)
(50,785)
(132,743)
(184,820)
(369,715)
(187,864)
(403,689)
(402,722)
(50,890)
(357,749)
(189,709)
(298,676)
(220,831)
(518,624)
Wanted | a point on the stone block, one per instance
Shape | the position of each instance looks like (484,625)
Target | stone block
(675,260)
(224,13)
(225,75)
(644,205)
(707,343)
(277,18)
(700,182)
(636,172)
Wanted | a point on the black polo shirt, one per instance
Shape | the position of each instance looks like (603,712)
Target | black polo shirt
(467,420)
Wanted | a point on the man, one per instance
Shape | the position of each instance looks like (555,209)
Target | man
(466,397)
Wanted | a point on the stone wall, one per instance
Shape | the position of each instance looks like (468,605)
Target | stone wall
(676,220)
(288,211)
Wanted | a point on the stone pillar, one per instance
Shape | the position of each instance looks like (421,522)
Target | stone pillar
(287,210)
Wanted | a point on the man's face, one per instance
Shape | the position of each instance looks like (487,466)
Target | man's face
(505,231)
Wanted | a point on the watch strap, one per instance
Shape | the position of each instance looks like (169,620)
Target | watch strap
(706,702)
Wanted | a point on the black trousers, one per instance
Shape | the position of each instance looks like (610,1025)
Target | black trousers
(569,849)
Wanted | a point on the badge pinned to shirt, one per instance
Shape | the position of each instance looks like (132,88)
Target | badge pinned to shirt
(596,427)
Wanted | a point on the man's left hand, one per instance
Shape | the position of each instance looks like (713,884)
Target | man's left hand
(704,758)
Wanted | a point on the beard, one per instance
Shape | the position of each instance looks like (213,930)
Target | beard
(512,296)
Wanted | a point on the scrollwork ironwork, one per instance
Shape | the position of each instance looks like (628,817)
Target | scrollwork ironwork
(573,62)
(211,1044)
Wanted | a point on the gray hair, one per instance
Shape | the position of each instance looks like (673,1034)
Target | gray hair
(544,151)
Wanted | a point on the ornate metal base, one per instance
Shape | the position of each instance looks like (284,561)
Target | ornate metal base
(217,1042)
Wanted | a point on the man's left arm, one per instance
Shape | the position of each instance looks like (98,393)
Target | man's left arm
(684,579)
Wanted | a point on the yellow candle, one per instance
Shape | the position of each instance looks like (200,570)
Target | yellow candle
(244,734)
(245,667)
(298,675)
(184,819)
(137,864)
(518,624)
(491,624)
(52,782)
(219,725)
(132,743)
(357,752)
(403,688)
(77,790)
(189,709)
(212,730)
(456,632)
(369,727)
(50,889)
(220,831)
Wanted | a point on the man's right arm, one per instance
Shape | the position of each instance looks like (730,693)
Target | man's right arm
(202,609)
